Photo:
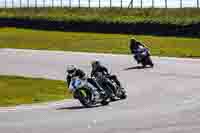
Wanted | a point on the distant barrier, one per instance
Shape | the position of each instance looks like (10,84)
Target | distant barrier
(100,3)
(191,30)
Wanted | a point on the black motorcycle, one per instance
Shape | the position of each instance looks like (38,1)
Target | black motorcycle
(110,86)
(118,91)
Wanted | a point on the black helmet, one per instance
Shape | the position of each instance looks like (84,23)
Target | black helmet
(95,64)
(134,44)
(133,41)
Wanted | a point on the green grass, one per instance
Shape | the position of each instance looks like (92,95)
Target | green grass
(19,90)
(92,42)
(181,17)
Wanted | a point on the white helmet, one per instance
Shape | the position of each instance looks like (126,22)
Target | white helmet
(71,69)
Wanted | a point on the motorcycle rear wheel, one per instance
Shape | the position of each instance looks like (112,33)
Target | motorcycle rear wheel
(104,102)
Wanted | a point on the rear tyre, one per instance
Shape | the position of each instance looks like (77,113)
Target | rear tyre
(143,64)
(104,102)
(113,99)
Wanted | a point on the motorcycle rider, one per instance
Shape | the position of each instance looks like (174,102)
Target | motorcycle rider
(136,48)
(75,72)
(97,67)
(72,72)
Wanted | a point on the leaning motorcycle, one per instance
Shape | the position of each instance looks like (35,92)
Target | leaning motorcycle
(118,91)
(82,90)
(144,57)
(110,87)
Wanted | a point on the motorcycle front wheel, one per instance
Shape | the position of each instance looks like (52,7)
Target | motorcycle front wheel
(85,96)
(123,96)
(147,61)
(121,93)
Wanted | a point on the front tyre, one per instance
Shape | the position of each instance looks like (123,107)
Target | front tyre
(85,96)
(147,61)
(151,63)
(123,96)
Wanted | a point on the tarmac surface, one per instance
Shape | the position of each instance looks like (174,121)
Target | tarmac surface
(163,99)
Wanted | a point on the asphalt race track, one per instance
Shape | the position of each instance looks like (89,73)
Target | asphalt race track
(165,99)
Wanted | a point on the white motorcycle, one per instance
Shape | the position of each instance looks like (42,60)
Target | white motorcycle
(83,91)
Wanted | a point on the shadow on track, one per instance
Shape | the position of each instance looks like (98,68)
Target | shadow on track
(116,100)
(136,67)
(78,107)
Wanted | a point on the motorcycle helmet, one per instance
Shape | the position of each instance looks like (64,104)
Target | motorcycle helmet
(133,40)
(71,69)
(95,64)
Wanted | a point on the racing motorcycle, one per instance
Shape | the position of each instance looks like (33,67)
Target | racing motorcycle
(83,91)
(143,57)
(118,91)
(110,86)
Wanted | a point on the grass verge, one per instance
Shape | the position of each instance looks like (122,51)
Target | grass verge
(19,90)
(100,43)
